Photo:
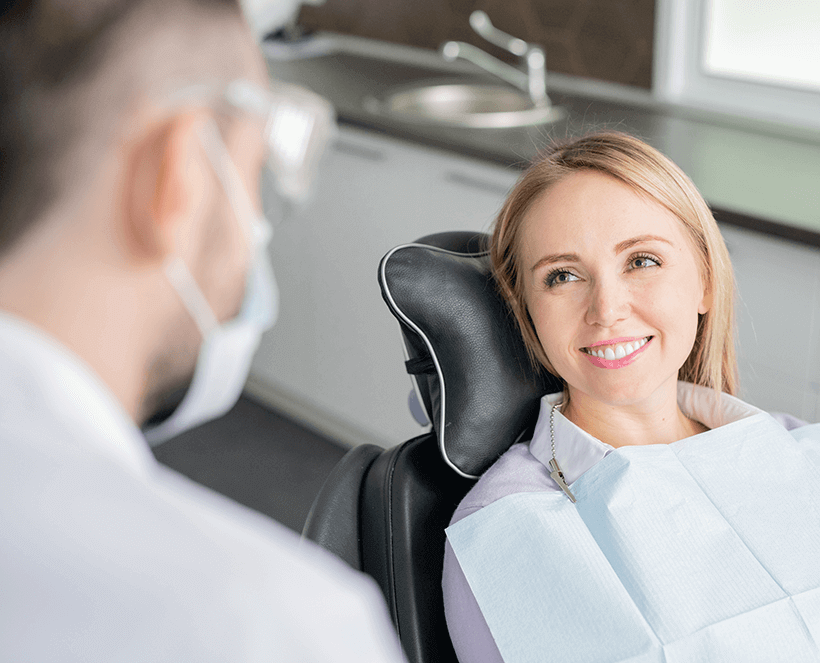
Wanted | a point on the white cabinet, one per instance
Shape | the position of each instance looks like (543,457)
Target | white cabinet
(778,315)
(334,358)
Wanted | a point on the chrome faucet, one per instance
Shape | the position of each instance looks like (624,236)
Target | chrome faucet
(534,82)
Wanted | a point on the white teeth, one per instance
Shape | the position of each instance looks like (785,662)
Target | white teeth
(618,351)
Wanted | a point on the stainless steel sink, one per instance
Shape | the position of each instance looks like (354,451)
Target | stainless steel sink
(464,105)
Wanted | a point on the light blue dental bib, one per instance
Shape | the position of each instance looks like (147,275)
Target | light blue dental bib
(707,549)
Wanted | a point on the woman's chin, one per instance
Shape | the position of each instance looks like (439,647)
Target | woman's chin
(621,391)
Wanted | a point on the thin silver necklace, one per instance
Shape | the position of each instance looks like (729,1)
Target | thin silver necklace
(555,469)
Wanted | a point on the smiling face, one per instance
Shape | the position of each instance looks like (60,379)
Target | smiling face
(613,288)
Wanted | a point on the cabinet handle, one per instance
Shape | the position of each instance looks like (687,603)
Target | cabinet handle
(360,151)
(476,183)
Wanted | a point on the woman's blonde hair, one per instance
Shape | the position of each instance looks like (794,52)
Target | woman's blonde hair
(711,362)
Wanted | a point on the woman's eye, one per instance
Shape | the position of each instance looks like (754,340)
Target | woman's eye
(558,277)
(641,262)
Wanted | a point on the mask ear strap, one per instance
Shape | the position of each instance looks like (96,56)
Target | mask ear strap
(228,175)
(192,298)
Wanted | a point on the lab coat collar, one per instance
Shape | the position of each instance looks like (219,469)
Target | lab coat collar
(45,386)
(577,451)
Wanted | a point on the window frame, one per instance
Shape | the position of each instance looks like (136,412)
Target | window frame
(679,76)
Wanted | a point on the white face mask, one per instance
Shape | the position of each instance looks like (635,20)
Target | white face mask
(298,126)
(227,350)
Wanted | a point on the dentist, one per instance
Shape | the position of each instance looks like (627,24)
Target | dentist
(133,261)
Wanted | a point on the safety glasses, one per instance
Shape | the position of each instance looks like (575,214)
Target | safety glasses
(299,125)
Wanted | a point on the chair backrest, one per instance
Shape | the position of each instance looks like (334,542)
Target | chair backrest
(410,495)
(385,511)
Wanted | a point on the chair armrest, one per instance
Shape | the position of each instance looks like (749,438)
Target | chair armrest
(334,520)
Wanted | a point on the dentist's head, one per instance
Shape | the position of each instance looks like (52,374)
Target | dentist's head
(133,136)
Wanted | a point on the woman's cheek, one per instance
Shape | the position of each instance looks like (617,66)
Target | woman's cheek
(555,327)
(674,315)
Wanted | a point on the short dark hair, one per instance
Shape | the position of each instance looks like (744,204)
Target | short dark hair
(48,48)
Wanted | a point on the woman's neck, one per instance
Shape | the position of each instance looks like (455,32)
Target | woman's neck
(658,420)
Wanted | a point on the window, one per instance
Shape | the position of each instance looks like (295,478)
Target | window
(746,57)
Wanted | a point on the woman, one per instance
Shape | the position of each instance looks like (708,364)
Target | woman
(641,522)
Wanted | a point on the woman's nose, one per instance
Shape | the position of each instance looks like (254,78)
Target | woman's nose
(608,303)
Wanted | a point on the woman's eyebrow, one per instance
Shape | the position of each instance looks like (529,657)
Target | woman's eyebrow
(556,257)
(620,246)
(640,239)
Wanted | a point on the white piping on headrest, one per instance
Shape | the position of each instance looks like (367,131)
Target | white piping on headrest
(426,340)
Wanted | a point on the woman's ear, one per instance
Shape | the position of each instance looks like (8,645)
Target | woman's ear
(706,303)
(165,185)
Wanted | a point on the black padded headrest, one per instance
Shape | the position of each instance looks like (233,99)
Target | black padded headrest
(464,349)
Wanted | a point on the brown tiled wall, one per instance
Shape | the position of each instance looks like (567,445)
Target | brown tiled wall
(605,39)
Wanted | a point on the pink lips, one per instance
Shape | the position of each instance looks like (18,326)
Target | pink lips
(616,363)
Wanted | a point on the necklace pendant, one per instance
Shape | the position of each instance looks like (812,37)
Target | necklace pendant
(558,477)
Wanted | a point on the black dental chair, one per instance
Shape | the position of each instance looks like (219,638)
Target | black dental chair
(385,511)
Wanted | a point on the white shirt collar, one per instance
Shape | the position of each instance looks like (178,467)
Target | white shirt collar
(47,387)
(577,451)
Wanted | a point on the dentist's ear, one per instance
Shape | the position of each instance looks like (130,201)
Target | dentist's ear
(165,188)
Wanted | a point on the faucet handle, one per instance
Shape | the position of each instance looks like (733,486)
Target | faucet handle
(480,22)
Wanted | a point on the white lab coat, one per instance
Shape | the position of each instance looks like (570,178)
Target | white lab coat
(105,555)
